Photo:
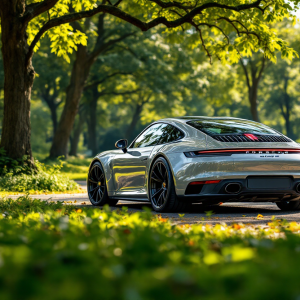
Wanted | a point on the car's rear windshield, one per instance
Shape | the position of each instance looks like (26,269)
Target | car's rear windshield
(222,126)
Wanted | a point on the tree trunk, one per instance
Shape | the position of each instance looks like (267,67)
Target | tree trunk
(92,122)
(76,136)
(253,101)
(134,121)
(79,76)
(53,111)
(18,83)
(287,114)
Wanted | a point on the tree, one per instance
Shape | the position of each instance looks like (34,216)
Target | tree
(25,22)
(253,69)
(281,89)
(52,81)
(85,58)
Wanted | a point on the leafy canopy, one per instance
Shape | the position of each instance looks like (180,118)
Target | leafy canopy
(225,29)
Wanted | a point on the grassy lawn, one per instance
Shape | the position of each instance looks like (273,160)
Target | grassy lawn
(56,251)
(75,168)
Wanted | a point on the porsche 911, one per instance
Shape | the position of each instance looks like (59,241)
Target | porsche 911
(175,162)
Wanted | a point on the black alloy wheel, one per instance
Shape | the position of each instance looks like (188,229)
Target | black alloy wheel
(96,185)
(159,185)
(162,192)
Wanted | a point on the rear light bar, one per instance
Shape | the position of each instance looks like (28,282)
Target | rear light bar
(229,152)
(205,182)
(251,136)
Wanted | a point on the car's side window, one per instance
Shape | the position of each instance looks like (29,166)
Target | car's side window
(170,134)
(151,136)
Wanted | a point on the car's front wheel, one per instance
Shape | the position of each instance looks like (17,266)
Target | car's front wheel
(96,185)
(162,192)
(289,205)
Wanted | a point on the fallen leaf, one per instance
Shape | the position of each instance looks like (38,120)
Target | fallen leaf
(162,219)
(259,217)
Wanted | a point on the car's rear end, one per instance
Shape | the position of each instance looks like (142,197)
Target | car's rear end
(242,161)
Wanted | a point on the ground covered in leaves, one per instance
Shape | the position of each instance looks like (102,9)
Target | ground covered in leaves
(58,251)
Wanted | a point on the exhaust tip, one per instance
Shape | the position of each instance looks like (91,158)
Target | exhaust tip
(234,188)
(298,188)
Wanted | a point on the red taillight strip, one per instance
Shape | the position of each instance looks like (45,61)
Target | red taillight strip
(204,182)
(244,149)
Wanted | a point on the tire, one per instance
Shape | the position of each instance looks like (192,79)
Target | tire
(96,186)
(289,205)
(162,192)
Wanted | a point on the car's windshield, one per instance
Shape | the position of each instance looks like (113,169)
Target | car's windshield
(223,126)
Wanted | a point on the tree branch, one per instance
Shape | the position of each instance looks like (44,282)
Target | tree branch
(35,9)
(101,48)
(104,79)
(261,69)
(120,93)
(144,26)
(246,74)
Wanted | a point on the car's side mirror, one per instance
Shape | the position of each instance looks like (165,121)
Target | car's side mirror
(122,144)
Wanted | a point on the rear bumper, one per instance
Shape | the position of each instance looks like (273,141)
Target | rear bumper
(215,193)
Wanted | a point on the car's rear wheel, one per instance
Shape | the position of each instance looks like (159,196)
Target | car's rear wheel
(96,185)
(162,192)
(289,205)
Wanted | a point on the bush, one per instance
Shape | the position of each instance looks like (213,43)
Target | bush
(52,251)
(13,166)
(46,179)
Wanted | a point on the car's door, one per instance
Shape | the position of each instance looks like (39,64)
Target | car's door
(129,169)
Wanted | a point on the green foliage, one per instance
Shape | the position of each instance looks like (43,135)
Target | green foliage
(226,34)
(55,251)
(18,178)
(13,166)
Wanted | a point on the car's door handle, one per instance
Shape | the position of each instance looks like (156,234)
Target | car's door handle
(144,158)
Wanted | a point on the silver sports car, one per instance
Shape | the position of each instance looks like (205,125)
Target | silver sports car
(178,161)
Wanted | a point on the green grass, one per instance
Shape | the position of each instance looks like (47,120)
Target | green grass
(56,251)
(74,168)
(42,181)
(52,177)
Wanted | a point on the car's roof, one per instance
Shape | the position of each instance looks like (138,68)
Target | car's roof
(191,118)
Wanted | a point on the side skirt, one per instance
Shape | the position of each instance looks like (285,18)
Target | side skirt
(131,199)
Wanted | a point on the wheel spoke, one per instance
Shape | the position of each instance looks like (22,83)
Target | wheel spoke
(95,190)
(97,196)
(90,180)
(97,173)
(156,178)
(166,176)
(94,175)
(159,168)
(157,192)
(160,197)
